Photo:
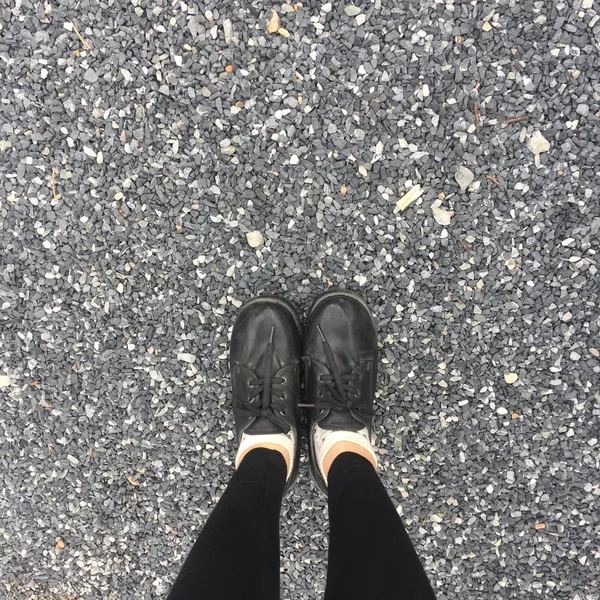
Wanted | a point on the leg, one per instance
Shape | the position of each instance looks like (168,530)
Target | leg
(370,553)
(236,556)
(237,553)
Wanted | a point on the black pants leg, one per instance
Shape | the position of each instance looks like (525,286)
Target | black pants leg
(236,556)
(371,556)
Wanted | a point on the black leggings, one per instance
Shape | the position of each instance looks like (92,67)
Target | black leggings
(236,556)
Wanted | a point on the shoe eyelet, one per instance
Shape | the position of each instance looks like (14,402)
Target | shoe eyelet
(283,380)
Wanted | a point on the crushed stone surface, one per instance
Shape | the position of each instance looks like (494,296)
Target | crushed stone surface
(134,162)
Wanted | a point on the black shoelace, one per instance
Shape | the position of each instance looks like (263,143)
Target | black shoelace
(338,388)
(267,391)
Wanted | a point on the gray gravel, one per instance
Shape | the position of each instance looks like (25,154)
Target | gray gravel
(119,286)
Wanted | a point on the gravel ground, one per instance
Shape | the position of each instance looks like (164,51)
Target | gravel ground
(135,160)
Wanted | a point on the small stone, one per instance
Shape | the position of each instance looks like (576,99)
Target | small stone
(464,177)
(294,160)
(228,31)
(537,143)
(360,19)
(274,22)
(510,378)
(501,410)
(186,357)
(90,76)
(413,194)
(441,216)
(487,26)
(363,170)
(255,239)
(352,10)
(4,381)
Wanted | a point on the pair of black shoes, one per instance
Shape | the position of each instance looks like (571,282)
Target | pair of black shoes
(339,353)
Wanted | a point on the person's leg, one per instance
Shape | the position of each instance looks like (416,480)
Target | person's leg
(371,556)
(236,555)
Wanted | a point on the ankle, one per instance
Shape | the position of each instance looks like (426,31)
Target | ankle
(341,447)
(266,446)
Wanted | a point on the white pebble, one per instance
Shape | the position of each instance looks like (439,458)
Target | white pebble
(352,11)
(255,239)
(537,143)
(186,357)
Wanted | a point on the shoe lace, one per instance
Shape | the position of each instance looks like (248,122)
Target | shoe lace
(338,388)
(267,394)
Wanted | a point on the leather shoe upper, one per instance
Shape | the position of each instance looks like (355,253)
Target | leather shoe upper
(266,349)
(340,360)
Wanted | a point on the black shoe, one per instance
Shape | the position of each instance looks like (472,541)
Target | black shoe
(266,351)
(340,362)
